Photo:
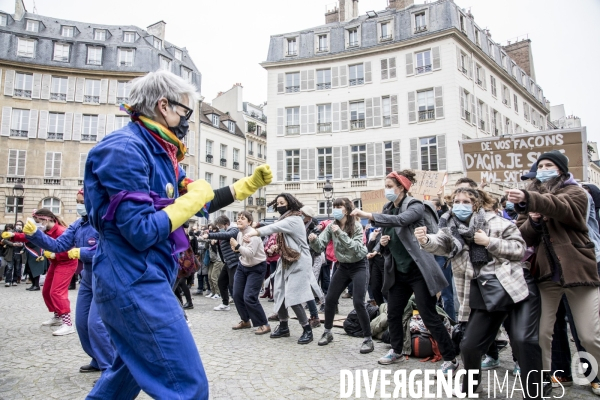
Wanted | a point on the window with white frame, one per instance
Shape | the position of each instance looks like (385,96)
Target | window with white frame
(322,43)
(464,62)
(222,181)
(236,156)
(3,20)
(223,152)
(292,82)
(208,177)
(13,203)
(126,57)
(52,204)
(493,85)
(480,108)
(94,55)
(56,126)
(426,105)
(92,91)
(495,122)
(260,150)
(389,158)
(61,52)
(461,20)
(292,162)
(250,169)
(321,207)
(353,37)
(121,121)
(215,120)
(157,43)
(178,54)
(186,74)
(357,75)
(90,128)
(503,61)
(324,118)
(129,37)
(505,96)
(324,79)
(325,163)
(19,123)
(429,154)
(53,164)
(516,103)
(357,115)
(165,63)
(32,26)
(67,31)
(23,85)
(386,31)
(123,88)
(423,62)
(292,47)
(420,22)
(478,75)
(16,162)
(359,161)
(99,34)
(292,121)
(387,111)
(231,126)
(492,49)
(25,47)
(477,37)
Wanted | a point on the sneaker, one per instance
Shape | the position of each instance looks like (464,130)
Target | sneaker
(222,307)
(390,358)
(367,346)
(217,297)
(15,283)
(54,321)
(7,284)
(64,330)
(516,370)
(561,380)
(210,294)
(314,322)
(326,338)
(448,367)
(596,388)
(489,363)
(322,308)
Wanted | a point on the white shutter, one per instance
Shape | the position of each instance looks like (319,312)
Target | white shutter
(335,124)
(112,91)
(484,80)
(487,117)
(396,155)
(192,143)
(437,60)
(384,69)
(312,164)
(110,123)
(6,115)
(441,153)
(12,161)
(303,119)
(21,162)
(280,114)
(48,166)
(79,90)
(344,115)
(311,79)
(37,86)
(414,153)
(462,102)
(337,163)
(379,157)
(439,102)
(345,162)
(57,165)
(77,121)
(335,80)
(82,160)
(470,67)
(303,164)
(370,160)
(303,80)
(33,124)
(43,125)
(368,73)
(369,113)
(280,166)
(71,88)
(101,126)
(412,107)
(280,84)
(68,126)
(103,91)
(473,110)
(392,67)
(409,64)
(9,82)
(394,109)
(458,64)
(376,111)
(311,119)
(46,82)
(343,76)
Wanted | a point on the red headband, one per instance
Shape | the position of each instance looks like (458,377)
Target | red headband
(80,192)
(45,218)
(401,180)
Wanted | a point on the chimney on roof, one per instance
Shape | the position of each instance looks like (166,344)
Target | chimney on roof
(400,4)
(521,53)
(20,10)
(347,11)
(157,29)
(332,14)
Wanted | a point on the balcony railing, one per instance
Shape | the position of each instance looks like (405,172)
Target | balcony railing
(261,201)
(468,116)
(423,69)
(51,181)
(505,102)
(126,63)
(353,43)
(357,81)
(55,136)
(236,165)
(250,152)
(323,86)
(209,158)
(91,99)
(292,53)
(479,82)
(324,127)
(25,54)
(292,130)
(223,162)
(358,183)
(387,120)
(94,62)
(292,89)
(421,28)
(250,201)
(482,125)
(357,124)
(58,96)
(61,58)
(259,155)
(426,115)
(15,179)
(464,70)
(18,133)
(322,49)
(88,138)
(292,186)
(22,93)
(122,100)
(385,38)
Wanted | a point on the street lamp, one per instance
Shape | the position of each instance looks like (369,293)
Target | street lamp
(328,194)
(18,192)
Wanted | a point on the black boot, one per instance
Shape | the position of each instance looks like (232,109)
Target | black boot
(307,335)
(282,330)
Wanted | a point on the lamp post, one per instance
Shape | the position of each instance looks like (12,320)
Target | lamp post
(328,194)
(18,192)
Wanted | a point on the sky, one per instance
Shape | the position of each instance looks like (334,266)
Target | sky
(228,39)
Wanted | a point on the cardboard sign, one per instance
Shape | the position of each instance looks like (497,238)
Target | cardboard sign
(373,201)
(428,184)
(505,159)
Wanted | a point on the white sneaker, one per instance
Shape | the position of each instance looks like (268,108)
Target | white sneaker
(52,322)
(64,330)
(209,295)
(216,297)
(222,307)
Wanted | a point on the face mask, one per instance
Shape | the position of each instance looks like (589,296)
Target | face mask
(282,210)
(40,226)
(19,228)
(182,129)
(337,213)
(81,210)
(509,206)
(390,195)
(545,175)
(462,211)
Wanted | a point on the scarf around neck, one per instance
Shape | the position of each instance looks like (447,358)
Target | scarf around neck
(462,234)
(288,255)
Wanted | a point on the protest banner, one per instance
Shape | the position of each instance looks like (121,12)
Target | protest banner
(428,184)
(373,201)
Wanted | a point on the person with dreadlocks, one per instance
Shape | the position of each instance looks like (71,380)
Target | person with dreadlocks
(486,252)
(138,197)
(294,281)
(60,272)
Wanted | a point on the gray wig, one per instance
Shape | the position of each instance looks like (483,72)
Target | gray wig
(147,90)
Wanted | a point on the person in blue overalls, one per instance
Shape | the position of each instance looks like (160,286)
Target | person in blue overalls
(138,197)
(80,239)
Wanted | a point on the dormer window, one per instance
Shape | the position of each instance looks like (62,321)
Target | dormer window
(292,47)
(386,31)
(322,45)
(178,54)
(165,63)
(67,31)
(100,34)
(186,74)
(32,26)
(3,20)
(157,43)
(231,126)
(215,120)
(129,37)
(353,37)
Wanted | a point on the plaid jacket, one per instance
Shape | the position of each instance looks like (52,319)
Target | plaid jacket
(507,248)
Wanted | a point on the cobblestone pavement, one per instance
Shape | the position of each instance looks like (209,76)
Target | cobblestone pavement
(240,365)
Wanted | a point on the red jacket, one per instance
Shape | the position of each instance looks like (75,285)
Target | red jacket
(329,251)
(271,241)
(61,259)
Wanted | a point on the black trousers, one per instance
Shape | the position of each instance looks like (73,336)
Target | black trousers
(225,281)
(325,276)
(398,297)
(376,278)
(181,286)
(522,329)
(248,281)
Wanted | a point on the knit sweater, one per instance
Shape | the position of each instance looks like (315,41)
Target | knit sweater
(347,249)
(252,253)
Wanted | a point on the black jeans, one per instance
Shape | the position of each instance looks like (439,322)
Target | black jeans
(181,286)
(248,281)
(358,273)
(225,281)
(522,328)
(399,295)
(376,278)
(325,276)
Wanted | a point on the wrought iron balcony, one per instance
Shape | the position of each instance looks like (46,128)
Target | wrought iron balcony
(223,162)
(88,138)
(357,124)
(357,81)
(324,127)
(236,165)
(421,28)
(209,158)
(387,120)
(91,99)
(58,96)
(423,69)
(292,89)
(426,115)
(22,93)
(18,133)
(292,130)
(55,136)
(323,86)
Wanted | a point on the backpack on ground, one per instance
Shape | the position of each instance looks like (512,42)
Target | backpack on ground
(352,324)
(430,217)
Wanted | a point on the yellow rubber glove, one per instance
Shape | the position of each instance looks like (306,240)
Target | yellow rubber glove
(40,258)
(198,194)
(30,227)
(74,253)
(245,187)
(49,255)
(7,235)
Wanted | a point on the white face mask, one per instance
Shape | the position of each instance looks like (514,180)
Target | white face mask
(81,209)
(40,226)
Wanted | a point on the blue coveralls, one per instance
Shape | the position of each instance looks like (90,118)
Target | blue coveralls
(92,333)
(134,270)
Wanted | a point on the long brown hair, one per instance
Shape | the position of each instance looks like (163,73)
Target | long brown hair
(350,223)
(44,212)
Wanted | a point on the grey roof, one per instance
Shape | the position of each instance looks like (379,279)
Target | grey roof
(146,55)
(206,109)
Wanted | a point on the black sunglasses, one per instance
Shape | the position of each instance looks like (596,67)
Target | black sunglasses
(188,111)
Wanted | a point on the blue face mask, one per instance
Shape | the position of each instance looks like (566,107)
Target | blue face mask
(546,175)
(337,213)
(462,211)
(510,206)
(390,195)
